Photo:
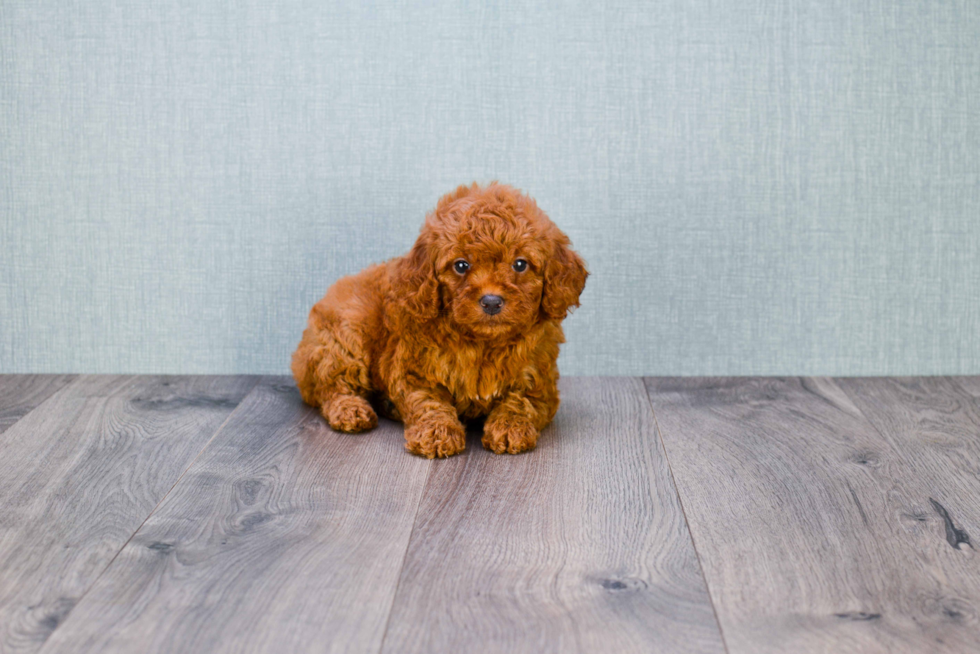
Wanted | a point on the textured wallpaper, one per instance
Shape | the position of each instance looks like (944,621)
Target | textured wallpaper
(758,187)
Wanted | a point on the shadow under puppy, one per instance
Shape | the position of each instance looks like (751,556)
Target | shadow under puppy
(466,325)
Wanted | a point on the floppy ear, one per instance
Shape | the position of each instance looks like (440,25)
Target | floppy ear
(564,280)
(414,282)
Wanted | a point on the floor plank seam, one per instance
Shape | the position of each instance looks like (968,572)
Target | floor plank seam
(69,380)
(148,515)
(69,384)
(687,523)
(408,546)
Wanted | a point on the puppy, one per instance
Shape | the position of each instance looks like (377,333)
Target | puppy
(466,325)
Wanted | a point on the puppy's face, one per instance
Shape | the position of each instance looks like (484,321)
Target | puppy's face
(491,286)
(492,263)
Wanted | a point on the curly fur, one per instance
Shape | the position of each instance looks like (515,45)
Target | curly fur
(410,335)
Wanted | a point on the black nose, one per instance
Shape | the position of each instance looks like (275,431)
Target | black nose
(491,304)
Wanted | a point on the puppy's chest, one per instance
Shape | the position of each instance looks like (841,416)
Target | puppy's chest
(478,375)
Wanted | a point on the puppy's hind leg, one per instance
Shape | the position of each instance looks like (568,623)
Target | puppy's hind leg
(331,377)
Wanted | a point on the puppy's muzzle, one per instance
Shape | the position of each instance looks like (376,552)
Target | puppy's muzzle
(491,304)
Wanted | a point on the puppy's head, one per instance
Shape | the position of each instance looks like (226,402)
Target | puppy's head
(489,260)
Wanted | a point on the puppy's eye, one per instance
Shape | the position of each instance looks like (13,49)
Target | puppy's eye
(520,265)
(461,266)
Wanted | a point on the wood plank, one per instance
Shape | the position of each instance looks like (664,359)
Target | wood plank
(19,394)
(282,537)
(934,424)
(578,546)
(970,384)
(810,525)
(78,476)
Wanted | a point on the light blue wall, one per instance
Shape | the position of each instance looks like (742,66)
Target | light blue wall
(758,187)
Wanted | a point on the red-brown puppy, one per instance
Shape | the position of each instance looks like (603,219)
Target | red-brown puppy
(465,325)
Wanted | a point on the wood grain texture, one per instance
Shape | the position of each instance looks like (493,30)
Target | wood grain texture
(80,474)
(970,384)
(814,532)
(282,537)
(933,423)
(578,546)
(19,394)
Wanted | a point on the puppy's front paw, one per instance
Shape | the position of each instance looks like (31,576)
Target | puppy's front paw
(435,439)
(350,413)
(509,435)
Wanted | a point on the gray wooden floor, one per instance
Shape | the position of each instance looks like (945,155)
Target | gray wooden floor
(220,514)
